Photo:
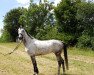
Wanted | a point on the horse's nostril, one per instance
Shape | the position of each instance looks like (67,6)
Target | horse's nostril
(20,38)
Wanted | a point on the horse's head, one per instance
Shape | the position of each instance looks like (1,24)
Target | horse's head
(21,33)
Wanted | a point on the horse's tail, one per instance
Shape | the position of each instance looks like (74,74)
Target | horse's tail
(66,56)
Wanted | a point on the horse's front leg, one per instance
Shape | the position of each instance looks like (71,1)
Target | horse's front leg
(34,65)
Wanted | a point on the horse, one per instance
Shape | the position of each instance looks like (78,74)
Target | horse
(35,47)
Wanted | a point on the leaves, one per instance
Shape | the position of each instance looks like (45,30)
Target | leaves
(11,22)
(71,21)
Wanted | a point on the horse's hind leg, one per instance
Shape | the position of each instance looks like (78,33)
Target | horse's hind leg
(60,61)
(63,66)
(34,65)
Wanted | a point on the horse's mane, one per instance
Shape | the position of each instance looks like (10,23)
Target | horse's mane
(29,34)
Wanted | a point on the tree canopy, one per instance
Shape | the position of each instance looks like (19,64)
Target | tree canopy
(11,23)
(71,21)
(76,18)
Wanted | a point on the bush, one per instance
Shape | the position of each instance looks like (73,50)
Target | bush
(92,43)
(6,37)
(54,34)
(84,41)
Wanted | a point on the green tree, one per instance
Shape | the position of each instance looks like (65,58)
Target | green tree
(6,37)
(66,18)
(85,15)
(36,20)
(76,18)
(11,23)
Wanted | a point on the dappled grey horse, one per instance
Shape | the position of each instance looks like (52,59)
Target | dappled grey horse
(35,47)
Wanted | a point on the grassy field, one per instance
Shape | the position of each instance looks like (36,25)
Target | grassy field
(81,62)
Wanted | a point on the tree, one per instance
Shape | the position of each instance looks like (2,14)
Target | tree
(66,19)
(36,20)
(76,18)
(86,23)
(11,23)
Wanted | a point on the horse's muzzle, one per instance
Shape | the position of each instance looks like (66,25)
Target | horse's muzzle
(20,38)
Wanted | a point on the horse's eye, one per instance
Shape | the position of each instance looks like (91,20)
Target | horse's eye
(22,31)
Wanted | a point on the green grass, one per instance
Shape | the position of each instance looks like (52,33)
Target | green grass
(84,51)
(81,62)
(81,68)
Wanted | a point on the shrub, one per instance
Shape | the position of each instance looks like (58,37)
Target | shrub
(85,41)
(6,37)
(54,34)
(92,43)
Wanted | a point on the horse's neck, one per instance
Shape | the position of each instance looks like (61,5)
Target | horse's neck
(26,39)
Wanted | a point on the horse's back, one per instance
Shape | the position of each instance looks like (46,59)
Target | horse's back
(49,45)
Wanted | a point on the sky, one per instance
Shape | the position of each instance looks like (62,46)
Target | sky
(7,5)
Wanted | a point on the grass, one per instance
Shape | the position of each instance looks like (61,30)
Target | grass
(81,62)
(78,51)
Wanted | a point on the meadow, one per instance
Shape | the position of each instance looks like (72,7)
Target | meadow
(81,62)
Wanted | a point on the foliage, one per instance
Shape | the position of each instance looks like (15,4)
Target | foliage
(36,19)
(76,18)
(86,24)
(66,19)
(66,16)
(54,34)
(71,21)
(11,23)
(6,37)
(84,41)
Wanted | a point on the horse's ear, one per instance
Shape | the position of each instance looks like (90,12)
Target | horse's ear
(25,27)
(21,26)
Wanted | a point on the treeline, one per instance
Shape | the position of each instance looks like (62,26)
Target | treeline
(71,21)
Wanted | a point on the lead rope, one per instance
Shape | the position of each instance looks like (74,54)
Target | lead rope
(13,49)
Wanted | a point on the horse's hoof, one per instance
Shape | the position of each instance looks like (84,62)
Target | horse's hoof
(35,74)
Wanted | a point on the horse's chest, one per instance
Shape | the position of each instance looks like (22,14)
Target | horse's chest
(30,49)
